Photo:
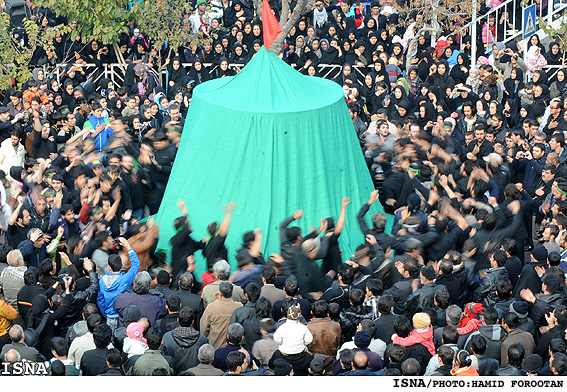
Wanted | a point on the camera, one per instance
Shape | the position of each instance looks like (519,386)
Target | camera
(62,278)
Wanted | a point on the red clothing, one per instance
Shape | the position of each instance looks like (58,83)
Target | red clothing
(466,371)
(472,325)
(417,337)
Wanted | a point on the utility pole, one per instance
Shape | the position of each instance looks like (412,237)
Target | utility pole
(473,35)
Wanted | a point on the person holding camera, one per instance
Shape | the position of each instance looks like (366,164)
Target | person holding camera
(42,308)
(506,60)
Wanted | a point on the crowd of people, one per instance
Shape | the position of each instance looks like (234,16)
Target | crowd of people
(470,161)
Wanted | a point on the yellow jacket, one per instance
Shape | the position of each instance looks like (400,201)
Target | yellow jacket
(7,313)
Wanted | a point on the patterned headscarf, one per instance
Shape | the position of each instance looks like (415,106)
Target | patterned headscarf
(294,312)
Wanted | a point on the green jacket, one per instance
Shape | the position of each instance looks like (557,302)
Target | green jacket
(147,362)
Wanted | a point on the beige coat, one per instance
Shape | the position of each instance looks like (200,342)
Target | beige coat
(215,320)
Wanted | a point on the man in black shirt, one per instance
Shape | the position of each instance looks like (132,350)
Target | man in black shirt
(93,362)
(214,248)
(18,224)
(182,245)
(129,175)
(332,255)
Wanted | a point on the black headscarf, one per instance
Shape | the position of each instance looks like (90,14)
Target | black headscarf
(530,113)
(404,96)
(458,75)
(542,77)
(395,115)
(561,86)
(329,56)
(198,76)
(68,99)
(511,88)
(512,115)
(381,72)
(554,59)
(348,57)
(430,115)
(179,75)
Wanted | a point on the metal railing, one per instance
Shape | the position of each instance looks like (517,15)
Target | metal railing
(115,72)
(509,13)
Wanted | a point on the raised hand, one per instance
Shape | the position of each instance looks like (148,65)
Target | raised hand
(373,197)
(124,242)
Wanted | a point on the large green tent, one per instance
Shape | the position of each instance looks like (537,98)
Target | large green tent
(275,141)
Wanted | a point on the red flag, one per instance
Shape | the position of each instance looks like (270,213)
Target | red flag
(270,25)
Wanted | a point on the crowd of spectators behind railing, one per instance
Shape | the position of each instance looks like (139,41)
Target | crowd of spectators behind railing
(469,160)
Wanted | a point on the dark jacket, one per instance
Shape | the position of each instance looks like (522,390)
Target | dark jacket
(182,245)
(384,240)
(168,323)
(246,312)
(486,292)
(494,335)
(194,302)
(93,362)
(511,371)
(32,256)
(487,366)
(349,320)
(221,353)
(547,301)
(25,297)
(79,299)
(422,298)
(452,284)
(151,306)
(183,347)
(385,327)
(401,290)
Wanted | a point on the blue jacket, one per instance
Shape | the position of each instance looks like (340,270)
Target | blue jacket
(112,284)
(32,256)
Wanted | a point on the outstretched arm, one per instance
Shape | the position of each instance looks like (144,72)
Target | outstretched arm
(229,208)
(257,244)
(285,223)
(112,211)
(182,207)
(17,210)
(341,221)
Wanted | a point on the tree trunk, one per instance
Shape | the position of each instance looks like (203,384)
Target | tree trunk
(278,46)
(283,14)
(413,42)
(258,8)
(120,58)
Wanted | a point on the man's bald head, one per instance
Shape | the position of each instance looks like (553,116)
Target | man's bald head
(360,360)
(12,356)
(16,334)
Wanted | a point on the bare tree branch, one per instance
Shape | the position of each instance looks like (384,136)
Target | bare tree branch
(285,11)
(414,41)
(277,46)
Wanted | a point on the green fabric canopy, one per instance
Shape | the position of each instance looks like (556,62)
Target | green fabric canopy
(275,141)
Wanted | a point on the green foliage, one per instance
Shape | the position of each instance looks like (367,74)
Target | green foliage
(558,35)
(15,57)
(167,21)
(100,20)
